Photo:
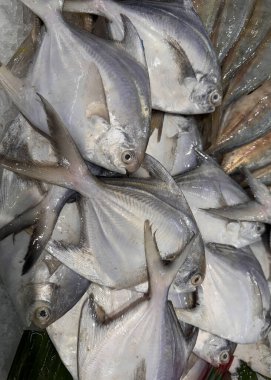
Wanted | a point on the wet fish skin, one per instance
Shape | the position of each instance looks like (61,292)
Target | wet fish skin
(192,84)
(245,120)
(106,133)
(231,271)
(179,134)
(213,349)
(232,20)
(252,156)
(208,11)
(47,301)
(169,213)
(263,174)
(257,210)
(251,37)
(252,74)
(137,325)
(208,185)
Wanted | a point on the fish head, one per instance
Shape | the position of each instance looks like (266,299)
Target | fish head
(123,154)
(206,95)
(192,272)
(214,349)
(39,299)
(244,233)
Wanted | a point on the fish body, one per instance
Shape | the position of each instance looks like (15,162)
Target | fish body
(232,19)
(149,340)
(112,122)
(245,120)
(252,74)
(174,149)
(208,11)
(253,156)
(191,84)
(116,209)
(234,291)
(250,38)
(208,185)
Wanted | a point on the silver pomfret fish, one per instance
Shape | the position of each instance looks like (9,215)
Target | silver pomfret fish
(183,69)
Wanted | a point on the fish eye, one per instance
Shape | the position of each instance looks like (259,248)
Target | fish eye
(42,314)
(224,357)
(215,98)
(128,156)
(196,279)
(260,228)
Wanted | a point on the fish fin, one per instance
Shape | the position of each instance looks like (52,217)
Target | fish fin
(260,191)
(205,158)
(23,96)
(250,212)
(155,265)
(44,9)
(79,258)
(192,338)
(47,215)
(140,371)
(36,170)
(90,331)
(131,42)
(21,59)
(19,223)
(186,69)
(71,170)
(190,316)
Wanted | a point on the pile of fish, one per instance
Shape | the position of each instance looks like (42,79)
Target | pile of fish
(120,232)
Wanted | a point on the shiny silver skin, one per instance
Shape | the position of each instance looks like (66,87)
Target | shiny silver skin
(111,124)
(188,82)
(143,333)
(208,185)
(213,349)
(235,291)
(95,256)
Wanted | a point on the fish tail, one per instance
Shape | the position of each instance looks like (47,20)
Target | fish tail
(159,272)
(44,8)
(71,171)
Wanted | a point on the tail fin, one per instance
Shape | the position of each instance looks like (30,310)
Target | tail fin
(44,8)
(71,171)
(161,274)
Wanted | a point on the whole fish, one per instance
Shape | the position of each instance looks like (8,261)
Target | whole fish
(250,38)
(234,287)
(183,69)
(246,120)
(256,210)
(112,121)
(232,20)
(215,350)
(208,185)
(253,155)
(143,333)
(122,208)
(252,74)
(174,146)
(208,11)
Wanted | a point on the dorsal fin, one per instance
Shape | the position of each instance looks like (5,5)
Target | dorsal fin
(132,42)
